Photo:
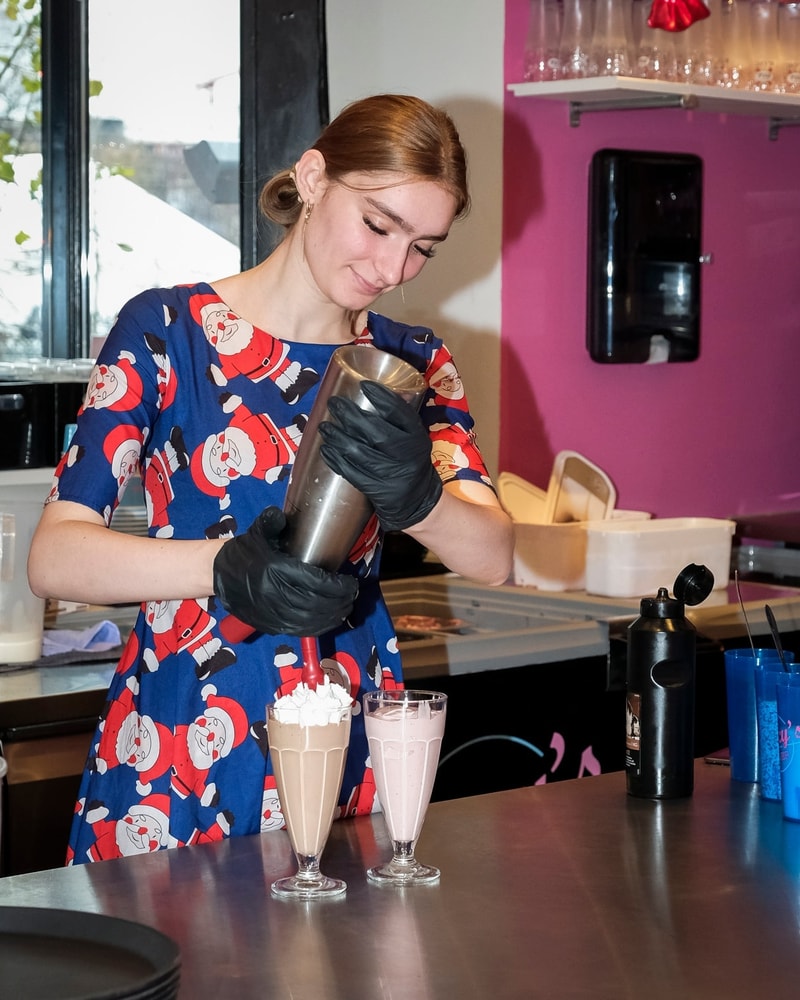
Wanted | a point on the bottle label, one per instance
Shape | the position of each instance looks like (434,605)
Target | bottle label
(633,743)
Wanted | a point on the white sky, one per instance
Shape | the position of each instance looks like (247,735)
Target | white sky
(150,57)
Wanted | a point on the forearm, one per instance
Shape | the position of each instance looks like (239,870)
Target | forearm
(79,559)
(472,537)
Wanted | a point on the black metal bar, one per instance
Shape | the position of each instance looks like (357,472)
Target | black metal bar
(284,102)
(65,148)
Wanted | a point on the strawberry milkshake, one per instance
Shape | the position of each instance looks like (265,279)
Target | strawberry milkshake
(404,730)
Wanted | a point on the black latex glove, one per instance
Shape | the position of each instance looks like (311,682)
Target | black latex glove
(272,591)
(386,455)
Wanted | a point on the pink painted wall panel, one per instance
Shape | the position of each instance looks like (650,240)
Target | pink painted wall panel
(716,437)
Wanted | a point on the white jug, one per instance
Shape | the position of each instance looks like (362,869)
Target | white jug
(21,612)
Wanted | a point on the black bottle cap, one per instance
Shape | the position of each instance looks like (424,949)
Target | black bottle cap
(693,584)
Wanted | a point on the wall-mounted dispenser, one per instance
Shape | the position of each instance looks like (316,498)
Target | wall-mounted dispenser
(643,296)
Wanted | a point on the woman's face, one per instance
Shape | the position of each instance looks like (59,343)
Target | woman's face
(372,232)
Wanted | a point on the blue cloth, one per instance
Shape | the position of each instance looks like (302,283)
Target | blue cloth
(94,639)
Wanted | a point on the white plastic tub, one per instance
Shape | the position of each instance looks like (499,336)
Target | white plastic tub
(635,558)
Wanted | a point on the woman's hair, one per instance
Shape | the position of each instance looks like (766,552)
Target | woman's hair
(387,132)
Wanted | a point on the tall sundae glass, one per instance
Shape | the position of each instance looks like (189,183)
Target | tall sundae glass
(404,731)
(309,732)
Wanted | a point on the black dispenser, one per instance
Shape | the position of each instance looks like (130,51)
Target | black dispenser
(645,213)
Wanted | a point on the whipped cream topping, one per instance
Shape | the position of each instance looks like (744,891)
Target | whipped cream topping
(317,706)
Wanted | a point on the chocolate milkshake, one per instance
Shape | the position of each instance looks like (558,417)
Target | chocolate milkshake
(308,762)
(309,732)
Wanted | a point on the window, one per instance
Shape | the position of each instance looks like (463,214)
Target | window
(20,180)
(136,137)
(163,147)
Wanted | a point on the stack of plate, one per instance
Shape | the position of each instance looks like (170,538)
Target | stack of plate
(68,955)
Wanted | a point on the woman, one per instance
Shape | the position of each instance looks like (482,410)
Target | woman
(206,388)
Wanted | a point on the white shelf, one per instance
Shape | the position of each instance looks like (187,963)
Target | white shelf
(618,93)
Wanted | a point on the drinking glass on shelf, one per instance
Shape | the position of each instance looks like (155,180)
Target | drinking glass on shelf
(576,38)
(612,38)
(542,41)
(763,44)
(789,47)
(696,48)
(732,65)
(308,761)
(404,731)
(686,55)
(654,48)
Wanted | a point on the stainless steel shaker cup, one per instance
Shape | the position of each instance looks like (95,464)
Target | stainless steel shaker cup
(324,513)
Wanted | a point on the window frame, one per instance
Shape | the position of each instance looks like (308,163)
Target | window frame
(283,106)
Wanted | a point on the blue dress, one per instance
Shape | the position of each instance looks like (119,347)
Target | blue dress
(210,411)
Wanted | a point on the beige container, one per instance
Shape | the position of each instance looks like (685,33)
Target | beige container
(525,502)
(553,556)
(634,559)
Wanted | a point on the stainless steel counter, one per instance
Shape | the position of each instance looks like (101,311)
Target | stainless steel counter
(559,650)
(567,890)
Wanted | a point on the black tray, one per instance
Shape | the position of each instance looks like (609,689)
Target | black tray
(68,955)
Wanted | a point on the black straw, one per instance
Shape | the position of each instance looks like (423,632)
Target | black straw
(773,627)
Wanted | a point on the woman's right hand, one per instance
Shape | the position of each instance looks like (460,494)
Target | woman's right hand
(272,591)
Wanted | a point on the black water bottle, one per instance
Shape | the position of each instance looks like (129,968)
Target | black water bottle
(659,707)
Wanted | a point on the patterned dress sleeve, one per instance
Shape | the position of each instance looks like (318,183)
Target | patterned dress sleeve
(445,410)
(120,407)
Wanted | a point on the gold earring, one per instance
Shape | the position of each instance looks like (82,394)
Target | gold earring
(403,293)
(306,217)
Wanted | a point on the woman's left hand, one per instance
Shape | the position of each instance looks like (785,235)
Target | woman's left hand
(386,455)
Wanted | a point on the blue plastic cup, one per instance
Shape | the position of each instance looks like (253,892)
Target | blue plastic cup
(740,668)
(788,691)
(767,675)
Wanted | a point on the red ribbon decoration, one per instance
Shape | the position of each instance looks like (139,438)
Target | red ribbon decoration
(676,15)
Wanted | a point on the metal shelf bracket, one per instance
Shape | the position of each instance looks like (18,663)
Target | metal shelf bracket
(686,101)
(776,124)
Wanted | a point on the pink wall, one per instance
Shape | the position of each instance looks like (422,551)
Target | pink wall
(715,437)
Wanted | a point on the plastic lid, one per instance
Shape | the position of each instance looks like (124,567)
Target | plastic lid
(693,584)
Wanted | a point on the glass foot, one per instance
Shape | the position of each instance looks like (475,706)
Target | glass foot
(300,887)
(404,872)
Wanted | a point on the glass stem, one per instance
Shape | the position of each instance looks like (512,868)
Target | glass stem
(403,852)
(308,866)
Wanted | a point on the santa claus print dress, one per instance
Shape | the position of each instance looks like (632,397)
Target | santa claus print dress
(210,411)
